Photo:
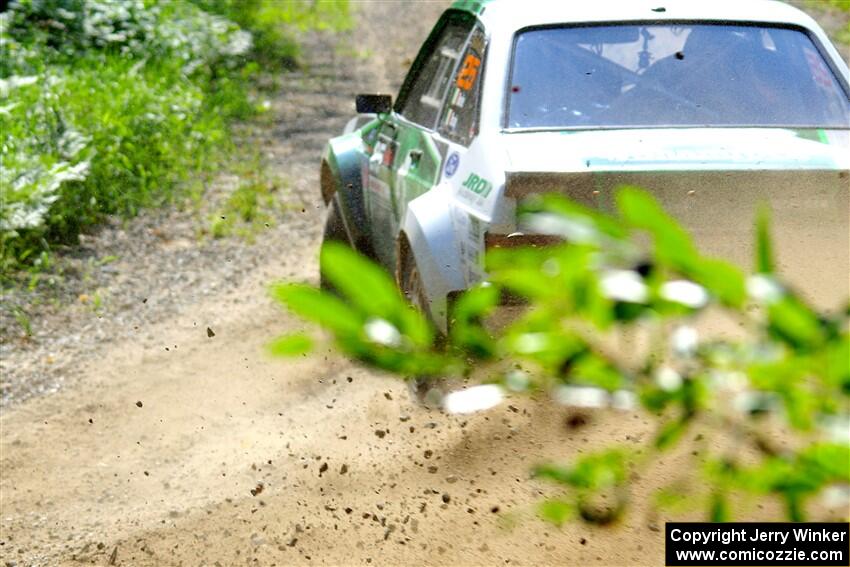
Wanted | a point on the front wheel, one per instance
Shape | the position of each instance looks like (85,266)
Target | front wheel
(334,232)
(410,283)
(427,390)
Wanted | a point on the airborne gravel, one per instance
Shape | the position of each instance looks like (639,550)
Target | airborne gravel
(166,444)
(129,274)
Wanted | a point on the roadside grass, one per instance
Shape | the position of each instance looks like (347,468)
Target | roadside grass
(843,5)
(139,133)
(271,22)
(251,207)
(23,319)
(843,35)
(826,10)
(106,109)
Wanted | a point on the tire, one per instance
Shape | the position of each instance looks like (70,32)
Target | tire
(410,283)
(334,232)
(427,390)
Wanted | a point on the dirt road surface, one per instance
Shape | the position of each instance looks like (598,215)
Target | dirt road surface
(173,447)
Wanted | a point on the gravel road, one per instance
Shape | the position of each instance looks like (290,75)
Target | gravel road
(163,445)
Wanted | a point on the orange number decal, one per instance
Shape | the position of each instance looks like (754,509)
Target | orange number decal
(468,73)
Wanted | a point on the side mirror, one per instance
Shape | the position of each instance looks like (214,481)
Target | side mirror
(373,103)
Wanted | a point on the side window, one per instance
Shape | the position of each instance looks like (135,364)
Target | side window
(426,92)
(459,122)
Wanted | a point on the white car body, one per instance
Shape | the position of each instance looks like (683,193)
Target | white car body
(711,178)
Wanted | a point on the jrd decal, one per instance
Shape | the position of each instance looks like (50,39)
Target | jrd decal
(478,185)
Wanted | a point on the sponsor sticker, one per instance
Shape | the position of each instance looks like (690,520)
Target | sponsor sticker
(452,163)
(478,185)
(469,72)
(451,119)
(458,98)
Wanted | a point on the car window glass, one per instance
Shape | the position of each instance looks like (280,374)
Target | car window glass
(460,116)
(428,89)
(672,75)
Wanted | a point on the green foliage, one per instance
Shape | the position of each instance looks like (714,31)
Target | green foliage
(291,345)
(23,320)
(470,311)
(796,476)
(556,511)
(273,23)
(793,368)
(373,323)
(594,472)
(764,251)
(843,35)
(109,107)
(673,245)
(818,7)
(600,474)
(248,208)
(843,5)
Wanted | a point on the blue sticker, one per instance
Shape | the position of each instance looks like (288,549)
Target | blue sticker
(452,164)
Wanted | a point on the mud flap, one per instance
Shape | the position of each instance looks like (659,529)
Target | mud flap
(429,230)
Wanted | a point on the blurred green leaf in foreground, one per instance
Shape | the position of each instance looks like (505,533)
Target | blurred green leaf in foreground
(780,395)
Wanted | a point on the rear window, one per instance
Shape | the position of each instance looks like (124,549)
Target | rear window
(672,75)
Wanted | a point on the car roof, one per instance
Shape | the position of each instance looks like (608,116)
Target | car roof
(512,15)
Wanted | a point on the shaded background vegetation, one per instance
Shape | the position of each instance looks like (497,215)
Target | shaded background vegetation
(109,107)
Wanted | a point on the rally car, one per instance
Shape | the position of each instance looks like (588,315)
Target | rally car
(715,107)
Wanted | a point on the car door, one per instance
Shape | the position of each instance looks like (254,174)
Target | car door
(457,129)
(407,160)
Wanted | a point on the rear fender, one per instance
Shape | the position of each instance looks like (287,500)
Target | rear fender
(341,177)
(431,238)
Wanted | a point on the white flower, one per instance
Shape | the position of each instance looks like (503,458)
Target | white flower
(72,143)
(751,402)
(531,342)
(836,427)
(517,381)
(624,285)
(7,109)
(476,398)
(66,14)
(574,229)
(685,292)
(684,340)
(668,379)
(733,381)
(33,190)
(624,400)
(238,44)
(382,332)
(836,496)
(14,82)
(764,288)
(581,396)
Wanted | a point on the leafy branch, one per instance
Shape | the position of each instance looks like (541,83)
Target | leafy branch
(786,378)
